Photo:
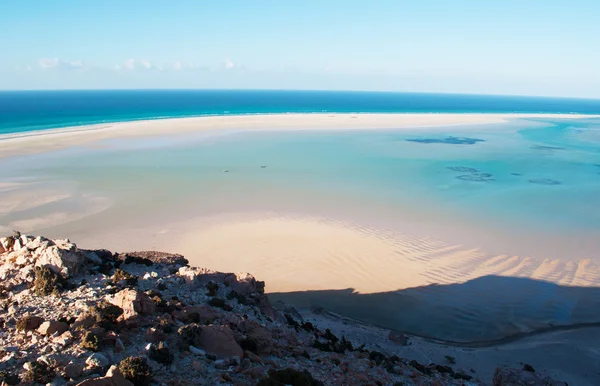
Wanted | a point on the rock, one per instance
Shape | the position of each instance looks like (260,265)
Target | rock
(84,320)
(53,327)
(219,341)
(515,377)
(73,370)
(97,360)
(244,283)
(258,337)
(398,337)
(149,258)
(252,356)
(204,314)
(93,258)
(133,303)
(112,378)
(30,323)
(64,339)
(196,351)
(63,258)
(197,365)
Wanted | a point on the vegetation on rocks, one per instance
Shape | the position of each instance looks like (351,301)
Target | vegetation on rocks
(161,353)
(90,341)
(121,277)
(136,370)
(47,282)
(106,314)
(38,372)
(190,335)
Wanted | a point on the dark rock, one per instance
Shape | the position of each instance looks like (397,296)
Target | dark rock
(398,337)
(289,377)
(529,368)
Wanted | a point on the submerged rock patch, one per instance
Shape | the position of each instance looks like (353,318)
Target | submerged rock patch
(547,148)
(476,177)
(462,169)
(544,181)
(448,140)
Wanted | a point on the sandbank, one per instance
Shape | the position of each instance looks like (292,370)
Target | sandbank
(54,139)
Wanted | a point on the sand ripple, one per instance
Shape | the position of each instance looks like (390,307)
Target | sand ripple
(416,284)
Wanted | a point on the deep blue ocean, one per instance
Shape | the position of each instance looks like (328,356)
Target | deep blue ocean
(38,110)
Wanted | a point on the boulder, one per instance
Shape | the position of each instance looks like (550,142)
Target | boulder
(205,313)
(63,258)
(73,370)
(219,341)
(244,283)
(133,303)
(398,337)
(257,336)
(53,327)
(515,377)
(112,378)
(83,320)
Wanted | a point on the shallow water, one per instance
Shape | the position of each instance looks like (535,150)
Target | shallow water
(533,179)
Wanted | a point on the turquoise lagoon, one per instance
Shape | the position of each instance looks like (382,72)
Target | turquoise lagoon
(526,186)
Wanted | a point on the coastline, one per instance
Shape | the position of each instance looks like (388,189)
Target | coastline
(328,255)
(31,142)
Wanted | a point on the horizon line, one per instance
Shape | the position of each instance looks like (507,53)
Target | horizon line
(306,90)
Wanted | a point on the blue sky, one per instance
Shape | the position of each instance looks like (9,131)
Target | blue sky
(520,47)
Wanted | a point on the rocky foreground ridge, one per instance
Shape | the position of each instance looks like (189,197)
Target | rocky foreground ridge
(70,316)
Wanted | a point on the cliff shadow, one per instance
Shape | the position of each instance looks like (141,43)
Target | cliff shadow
(486,310)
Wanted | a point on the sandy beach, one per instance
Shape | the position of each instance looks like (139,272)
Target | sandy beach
(48,140)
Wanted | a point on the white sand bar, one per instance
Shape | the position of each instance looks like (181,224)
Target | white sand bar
(47,140)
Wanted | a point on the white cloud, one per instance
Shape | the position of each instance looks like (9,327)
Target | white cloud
(56,63)
(26,67)
(48,62)
(177,66)
(145,63)
(129,64)
(137,64)
(229,64)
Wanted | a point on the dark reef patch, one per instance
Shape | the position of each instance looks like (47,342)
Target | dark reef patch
(476,177)
(462,169)
(516,174)
(547,148)
(448,140)
(544,181)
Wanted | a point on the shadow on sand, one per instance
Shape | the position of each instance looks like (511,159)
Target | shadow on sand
(484,311)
